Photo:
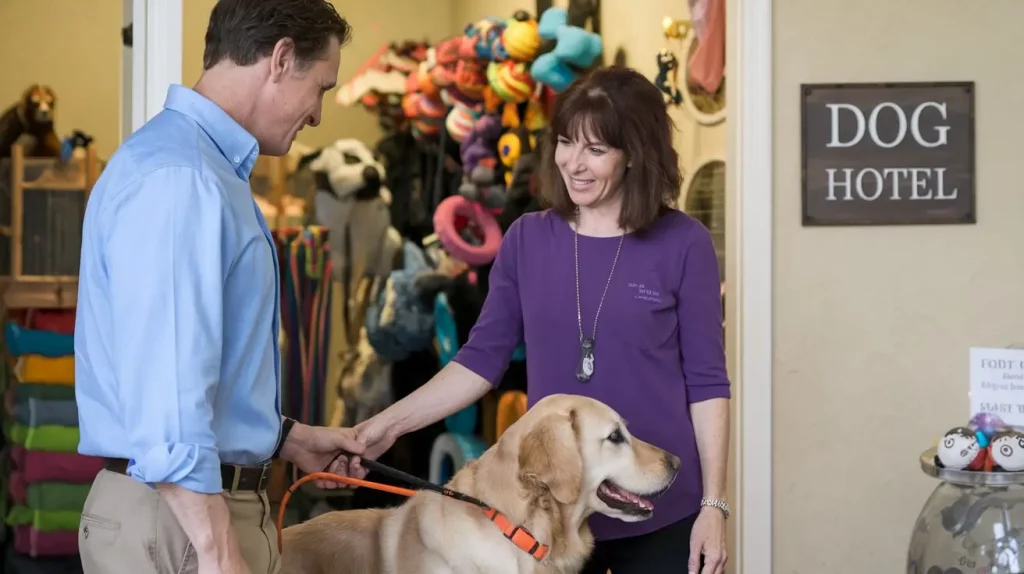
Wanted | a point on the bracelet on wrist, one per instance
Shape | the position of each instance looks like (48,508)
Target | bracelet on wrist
(716,503)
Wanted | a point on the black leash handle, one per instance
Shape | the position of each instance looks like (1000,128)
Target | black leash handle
(416,482)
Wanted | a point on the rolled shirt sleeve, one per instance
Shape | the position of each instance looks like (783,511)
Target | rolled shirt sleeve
(166,261)
(700,320)
(499,328)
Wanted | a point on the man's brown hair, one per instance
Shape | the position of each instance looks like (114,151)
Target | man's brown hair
(624,110)
(245,31)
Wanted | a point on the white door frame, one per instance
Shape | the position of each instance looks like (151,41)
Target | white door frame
(155,59)
(750,135)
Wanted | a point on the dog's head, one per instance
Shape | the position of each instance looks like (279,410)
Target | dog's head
(347,169)
(580,451)
(38,105)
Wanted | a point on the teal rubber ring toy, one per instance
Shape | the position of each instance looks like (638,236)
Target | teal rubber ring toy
(444,327)
(464,421)
(520,353)
(451,452)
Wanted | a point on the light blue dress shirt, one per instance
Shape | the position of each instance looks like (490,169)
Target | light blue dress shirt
(176,357)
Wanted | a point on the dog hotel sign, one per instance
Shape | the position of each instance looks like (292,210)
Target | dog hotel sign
(888,154)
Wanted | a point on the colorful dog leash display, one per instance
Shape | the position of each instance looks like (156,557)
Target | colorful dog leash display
(305,320)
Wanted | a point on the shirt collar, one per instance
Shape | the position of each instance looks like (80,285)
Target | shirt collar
(239,146)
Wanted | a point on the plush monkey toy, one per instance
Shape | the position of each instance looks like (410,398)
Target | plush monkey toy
(31,120)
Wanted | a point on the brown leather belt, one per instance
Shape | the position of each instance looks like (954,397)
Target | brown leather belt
(235,478)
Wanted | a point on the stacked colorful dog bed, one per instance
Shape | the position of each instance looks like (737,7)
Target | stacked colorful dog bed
(48,480)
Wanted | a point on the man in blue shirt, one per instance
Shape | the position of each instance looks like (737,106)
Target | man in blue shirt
(176,356)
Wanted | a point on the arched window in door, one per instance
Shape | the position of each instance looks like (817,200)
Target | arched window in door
(705,201)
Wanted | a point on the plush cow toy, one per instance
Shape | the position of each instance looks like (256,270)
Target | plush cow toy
(352,202)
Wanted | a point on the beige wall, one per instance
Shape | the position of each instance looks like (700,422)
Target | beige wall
(872,325)
(374,24)
(76,49)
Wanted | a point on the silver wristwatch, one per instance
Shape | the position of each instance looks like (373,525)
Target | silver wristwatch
(719,504)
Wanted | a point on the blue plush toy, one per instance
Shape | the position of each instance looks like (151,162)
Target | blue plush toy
(575,49)
(485,33)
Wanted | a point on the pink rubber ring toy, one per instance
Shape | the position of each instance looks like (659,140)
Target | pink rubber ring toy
(444,225)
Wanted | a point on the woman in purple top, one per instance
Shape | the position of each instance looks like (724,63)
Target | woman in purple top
(617,296)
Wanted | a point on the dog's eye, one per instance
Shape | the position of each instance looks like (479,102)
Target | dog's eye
(351,159)
(616,437)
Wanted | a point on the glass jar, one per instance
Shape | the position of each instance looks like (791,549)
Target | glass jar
(973,523)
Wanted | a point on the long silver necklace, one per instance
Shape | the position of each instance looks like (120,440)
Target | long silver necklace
(585,369)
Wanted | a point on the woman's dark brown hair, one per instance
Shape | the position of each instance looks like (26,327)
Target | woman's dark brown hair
(624,110)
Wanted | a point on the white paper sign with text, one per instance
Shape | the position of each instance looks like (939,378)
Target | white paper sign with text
(997,383)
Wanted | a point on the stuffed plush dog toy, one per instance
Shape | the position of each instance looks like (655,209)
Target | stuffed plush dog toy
(32,116)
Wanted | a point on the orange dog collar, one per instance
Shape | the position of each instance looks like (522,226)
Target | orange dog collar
(519,536)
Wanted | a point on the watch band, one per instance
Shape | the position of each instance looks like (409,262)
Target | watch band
(716,503)
(286,427)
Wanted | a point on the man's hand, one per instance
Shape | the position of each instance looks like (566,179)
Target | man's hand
(206,520)
(229,565)
(313,449)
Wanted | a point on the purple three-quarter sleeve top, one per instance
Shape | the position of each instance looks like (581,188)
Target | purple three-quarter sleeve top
(658,345)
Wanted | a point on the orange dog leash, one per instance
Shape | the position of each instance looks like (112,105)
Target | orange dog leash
(336,478)
(518,535)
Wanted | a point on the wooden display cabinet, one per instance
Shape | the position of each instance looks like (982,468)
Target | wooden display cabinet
(42,207)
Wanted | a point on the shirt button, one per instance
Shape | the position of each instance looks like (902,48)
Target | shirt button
(237,159)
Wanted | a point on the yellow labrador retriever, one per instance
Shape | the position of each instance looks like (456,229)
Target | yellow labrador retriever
(566,458)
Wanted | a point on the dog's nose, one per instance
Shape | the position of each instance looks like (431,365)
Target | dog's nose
(371,176)
(672,462)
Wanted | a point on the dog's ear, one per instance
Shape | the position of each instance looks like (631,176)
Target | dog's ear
(307,159)
(549,457)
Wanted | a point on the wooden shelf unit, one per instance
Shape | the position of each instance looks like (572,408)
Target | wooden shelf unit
(50,229)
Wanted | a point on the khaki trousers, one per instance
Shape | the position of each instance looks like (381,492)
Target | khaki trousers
(128,528)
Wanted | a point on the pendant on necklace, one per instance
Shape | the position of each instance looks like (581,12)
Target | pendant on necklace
(585,370)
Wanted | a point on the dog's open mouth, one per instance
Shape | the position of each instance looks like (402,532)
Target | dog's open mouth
(623,500)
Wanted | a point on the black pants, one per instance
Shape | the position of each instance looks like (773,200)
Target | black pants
(665,551)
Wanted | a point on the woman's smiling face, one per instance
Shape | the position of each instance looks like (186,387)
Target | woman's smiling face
(592,169)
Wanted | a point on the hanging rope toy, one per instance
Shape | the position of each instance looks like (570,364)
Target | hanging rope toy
(511,81)
(475,242)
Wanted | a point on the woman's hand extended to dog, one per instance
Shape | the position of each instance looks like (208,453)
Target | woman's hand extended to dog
(708,538)
(453,388)
(320,449)
(377,434)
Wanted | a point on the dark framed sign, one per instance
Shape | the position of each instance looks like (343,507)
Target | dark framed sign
(888,154)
